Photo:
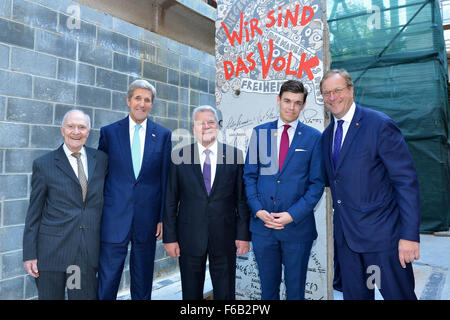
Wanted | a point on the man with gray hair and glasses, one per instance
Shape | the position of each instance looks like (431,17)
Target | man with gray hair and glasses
(61,238)
(139,155)
(375,191)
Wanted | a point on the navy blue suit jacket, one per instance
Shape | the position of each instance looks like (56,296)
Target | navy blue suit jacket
(130,202)
(374,185)
(296,189)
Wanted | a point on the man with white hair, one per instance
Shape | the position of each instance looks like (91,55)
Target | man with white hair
(61,239)
(206,215)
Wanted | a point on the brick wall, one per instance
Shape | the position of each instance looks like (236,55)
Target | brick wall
(47,68)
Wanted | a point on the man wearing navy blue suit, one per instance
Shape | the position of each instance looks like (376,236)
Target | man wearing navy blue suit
(139,155)
(375,193)
(284,179)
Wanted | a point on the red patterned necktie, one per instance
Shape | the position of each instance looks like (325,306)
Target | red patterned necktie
(284,146)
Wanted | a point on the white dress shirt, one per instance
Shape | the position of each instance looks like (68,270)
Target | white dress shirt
(212,157)
(347,120)
(73,160)
(290,132)
(142,131)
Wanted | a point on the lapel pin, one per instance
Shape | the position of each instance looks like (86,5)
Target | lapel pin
(153,135)
(357,124)
(275,134)
(299,133)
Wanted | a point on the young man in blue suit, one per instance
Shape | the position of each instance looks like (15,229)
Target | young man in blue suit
(139,155)
(284,179)
(375,193)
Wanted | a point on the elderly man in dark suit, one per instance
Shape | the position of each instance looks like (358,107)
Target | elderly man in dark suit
(206,213)
(61,238)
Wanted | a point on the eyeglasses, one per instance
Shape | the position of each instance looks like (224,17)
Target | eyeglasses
(336,92)
(209,123)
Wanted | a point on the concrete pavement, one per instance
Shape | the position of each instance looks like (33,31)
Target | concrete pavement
(431,271)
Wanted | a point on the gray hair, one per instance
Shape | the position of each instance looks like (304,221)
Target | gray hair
(202,109)
(79,111)
(141,84)
(342,72)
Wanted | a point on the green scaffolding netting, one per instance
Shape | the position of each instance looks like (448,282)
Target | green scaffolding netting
(395,52)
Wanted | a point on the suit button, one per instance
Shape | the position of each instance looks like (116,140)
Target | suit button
(278,181)
(339,201)
(271,198)
(335,182)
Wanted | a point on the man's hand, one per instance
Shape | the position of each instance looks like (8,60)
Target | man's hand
(408,251)
(269,220)
(31,267)
(282,217)
(159,231)
(172,249)
(242,246)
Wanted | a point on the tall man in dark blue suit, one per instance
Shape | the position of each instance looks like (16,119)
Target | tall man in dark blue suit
(139,155)
(375,194)
(284,179)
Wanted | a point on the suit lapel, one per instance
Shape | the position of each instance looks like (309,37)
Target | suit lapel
(91,163)
(123,136)
(272,150)
(150,141)
(327,143)
(353,130)
(196,167)
(64,165)
(291,150)
(220,166)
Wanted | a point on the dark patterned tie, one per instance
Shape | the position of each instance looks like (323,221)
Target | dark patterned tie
(81,174)
(284,146)
(337,142)
(207,171)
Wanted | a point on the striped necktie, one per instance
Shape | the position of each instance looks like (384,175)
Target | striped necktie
(81,175)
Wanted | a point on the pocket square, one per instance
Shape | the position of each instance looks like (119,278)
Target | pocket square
(300,150)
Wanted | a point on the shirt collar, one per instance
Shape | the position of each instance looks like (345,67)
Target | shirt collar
(349,115)
(212,148)
(69,153)
(133,124)
(293,124)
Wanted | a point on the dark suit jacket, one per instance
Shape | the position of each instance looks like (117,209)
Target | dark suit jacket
(132,203)
(374,186)
(192,218)
(57,215)
(296,189)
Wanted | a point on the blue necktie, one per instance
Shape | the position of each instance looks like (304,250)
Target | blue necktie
(337,142)
(207,171)
(136,151)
